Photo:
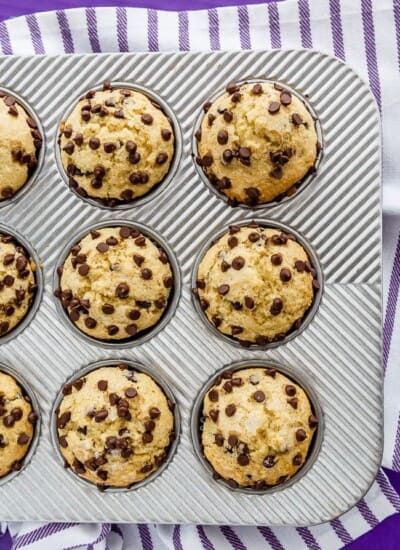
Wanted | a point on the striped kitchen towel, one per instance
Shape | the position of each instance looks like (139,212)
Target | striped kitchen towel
(364,33)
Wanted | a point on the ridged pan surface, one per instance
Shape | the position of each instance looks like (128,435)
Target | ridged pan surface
(339,213)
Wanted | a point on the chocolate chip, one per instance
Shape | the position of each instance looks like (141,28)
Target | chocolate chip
(204,304)
(257,89)
(147,437)
(243,460)
(297,460)
(13,110)
(276,306)
(269,461)
(78,139)
(274,107)
(86,116)
(276,259)
(313,421)
(219,440)
(160,303)
(63,420)
(233,441)
(244,153)
(130,392)
(230,410)
(90,322)
(296,119)
(293,401)
(276,173)
(236,330)
(9,421)
(315,284)
(161,158)
(290,390)
(23,439)
(222,137)
(138,259)
(112,241)
(122,290)
(223,289)
(100,416)
(63,441)
(286,98)
(146,274)
(83,270)
(300,265)
(131,329)
(285,275)
(259,396)
(213,395)
(108,309)
(119,113)
(270,371)
(134,314)
(227,386)
(278,240)
(8,280)
(227,155)
(102,247)
(140,241)
(69,148)
(103,474)
(233,241)
(112,330)
(236,97)
(253,195)
(207,160)
(166,134)
(102,385)
(149,425)
(214,415)
(154,413)
(94,143)
(147,118)
(301,434)
(216,321)
(238,262)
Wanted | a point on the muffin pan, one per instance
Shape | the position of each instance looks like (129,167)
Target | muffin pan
(338,353)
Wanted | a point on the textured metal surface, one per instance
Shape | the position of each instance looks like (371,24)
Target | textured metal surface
(340,351)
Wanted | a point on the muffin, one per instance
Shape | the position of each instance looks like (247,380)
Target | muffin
(115,426)
(256,143)
(115,283)
(255,284)
(20,142)
(17,283)
(17,425)
(258,427)
(116,145)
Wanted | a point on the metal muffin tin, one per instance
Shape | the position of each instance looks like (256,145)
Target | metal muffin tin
(137,367)
(309,314)
(339,352)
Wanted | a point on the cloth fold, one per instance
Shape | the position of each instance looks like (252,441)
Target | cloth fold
(365,34)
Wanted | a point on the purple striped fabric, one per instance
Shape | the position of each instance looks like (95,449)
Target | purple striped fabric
(232,538)
(91,21)
(305,24)
(336,28)
(244,28)
(5,39)
(388,490)
(65,31)
(205,541)
(40,533)
(35,34)
(341,532)
(308,538)
(122,32)
(396,452)
(367,514)
(370,49)
(152,30)
(274,26)
(271,538)
(183,31)
(176,538)
(145,537)
(396,13)
(391,304)
(213,25)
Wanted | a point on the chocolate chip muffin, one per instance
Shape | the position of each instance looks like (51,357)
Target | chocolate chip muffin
(255,284)
(115,283)
(116,145)
(20,142)
(115,426)
(17,424)
(258,427)
(17,283)
(256,143)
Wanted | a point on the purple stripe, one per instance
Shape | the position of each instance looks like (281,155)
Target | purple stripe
(40,533)
(391,305)
(244,28)
(65,31)
(341,531)
(396,11)
(205,541)
(370,49)
(388,490)
(305,25)
(122,30)
(116,529)
(152,30)
(5,39)
(213,29)
(336,28)
(183,23)
(36,37)
(274,25)
(271,538)
(308,538)
(232,538)
(176,538)
(91,23)
(105,531)
(367,513)
(145,537)
(396,451)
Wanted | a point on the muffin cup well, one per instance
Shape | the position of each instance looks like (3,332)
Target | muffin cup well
(297,187)
(39,279)
(310,313)
(197,420)
(136,366)
(27,390)
(173,300)
(40,153)
(160,187)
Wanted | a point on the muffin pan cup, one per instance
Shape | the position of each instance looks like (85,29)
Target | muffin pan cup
(160,187)
(138,367)
(30,182)
(27,390)
(197,419)
(314,260)
(39,279)
(147,334)
(337,357)
(297,187)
